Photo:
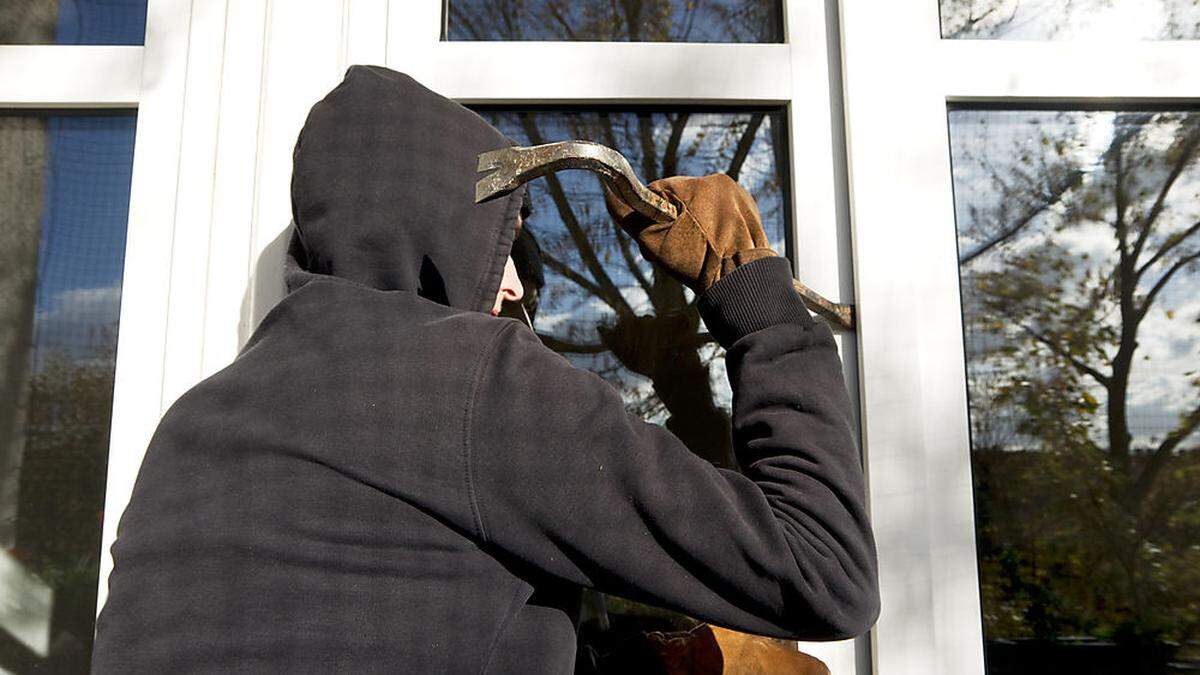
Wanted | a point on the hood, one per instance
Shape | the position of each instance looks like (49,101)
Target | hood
(383,193)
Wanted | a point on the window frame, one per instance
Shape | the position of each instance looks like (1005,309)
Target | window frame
(903,75)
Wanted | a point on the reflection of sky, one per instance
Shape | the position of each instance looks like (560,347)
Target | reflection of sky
(1077,20)
(707,145)
(82,248)
(601,20)
(1007,143)
(101,22)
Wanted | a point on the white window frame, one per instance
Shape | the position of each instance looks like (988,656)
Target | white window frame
(900,76)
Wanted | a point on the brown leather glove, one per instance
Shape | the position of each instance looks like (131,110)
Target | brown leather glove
(718,229)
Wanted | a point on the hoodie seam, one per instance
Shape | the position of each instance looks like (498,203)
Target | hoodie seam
(514,605)
(473,496)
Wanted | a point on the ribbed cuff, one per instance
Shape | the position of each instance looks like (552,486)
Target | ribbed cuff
(754,296)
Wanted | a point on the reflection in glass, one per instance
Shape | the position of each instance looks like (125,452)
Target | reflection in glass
(73,22)
(606,21)
(1079,244)
(64,183)
(1071,20)
(606,309)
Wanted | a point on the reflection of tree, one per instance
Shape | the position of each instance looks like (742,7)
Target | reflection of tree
(58,526)
(634,324)
(996,18)
(1085,528)
(617,20)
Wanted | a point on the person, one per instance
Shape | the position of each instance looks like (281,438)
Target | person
(390,478)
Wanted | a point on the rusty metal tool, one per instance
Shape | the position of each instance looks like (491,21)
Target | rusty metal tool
(513,166)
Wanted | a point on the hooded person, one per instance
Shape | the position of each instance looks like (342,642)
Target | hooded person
(390,478)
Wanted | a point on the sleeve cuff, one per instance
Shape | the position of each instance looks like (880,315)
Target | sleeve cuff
(754,296)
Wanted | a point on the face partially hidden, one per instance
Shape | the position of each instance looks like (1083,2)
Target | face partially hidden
(510,285)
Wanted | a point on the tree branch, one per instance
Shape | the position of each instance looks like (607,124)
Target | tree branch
(556,14)
(1162,281)
(1056,192)
(1168,245)
(646,137)
(1121,206)
(610,294)
(566,270)
(1158,460)
(630,262)
(744,144)
(670,161)
(1185,156)
(610,136)
(563,346)
(1100,377)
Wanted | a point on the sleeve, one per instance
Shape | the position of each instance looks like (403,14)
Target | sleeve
(566,481)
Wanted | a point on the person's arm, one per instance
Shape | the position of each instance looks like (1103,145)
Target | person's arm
(566,481)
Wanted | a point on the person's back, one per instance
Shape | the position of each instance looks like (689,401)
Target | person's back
(305,508)
(388,478)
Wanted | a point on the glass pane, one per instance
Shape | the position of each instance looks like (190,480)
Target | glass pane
(1079,253)
(607,21)
(1071,20)
(606,309)
(64,183)
(73,22)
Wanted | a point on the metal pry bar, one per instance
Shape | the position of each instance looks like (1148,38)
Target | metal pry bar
(514,166)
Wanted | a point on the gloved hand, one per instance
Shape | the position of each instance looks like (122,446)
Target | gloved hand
(718,229)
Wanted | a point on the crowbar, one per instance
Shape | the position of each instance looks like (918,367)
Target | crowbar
(514,166)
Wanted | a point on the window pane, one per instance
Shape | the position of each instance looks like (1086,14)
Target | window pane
(606,21)
(606,309)
(1079,242)
(1072,20)
(73,22)
(64,183)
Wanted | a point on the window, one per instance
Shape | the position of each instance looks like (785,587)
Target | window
(1079,20)
(608,310)
(601,20)
(1079,242)
(73,22)
(66,181)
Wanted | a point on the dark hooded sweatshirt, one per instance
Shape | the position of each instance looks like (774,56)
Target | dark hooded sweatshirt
(389,479)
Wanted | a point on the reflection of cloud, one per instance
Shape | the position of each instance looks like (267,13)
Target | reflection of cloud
(1159,389)
(78,321)
(25,605)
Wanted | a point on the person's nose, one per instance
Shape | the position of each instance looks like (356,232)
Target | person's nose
(514,291)
(510,286)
